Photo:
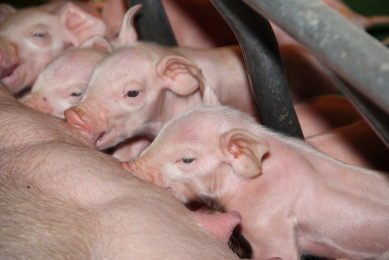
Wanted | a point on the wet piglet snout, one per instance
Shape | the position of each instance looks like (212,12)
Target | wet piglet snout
(73,118)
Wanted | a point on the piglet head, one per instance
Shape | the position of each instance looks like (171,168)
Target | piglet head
(143,171)
(33,37)
(64,81)
(138,88)
(80,117)
(206,152)
(138,95)
(37,102)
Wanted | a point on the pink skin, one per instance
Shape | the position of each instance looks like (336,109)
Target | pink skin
(62,83)
(31,38)
(292,198)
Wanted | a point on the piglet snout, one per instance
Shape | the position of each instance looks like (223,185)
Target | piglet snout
(142,172)
(38,103)
(73,118)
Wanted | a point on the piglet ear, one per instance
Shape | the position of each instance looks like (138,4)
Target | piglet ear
(97,42)
(79,23)
(183,77)
(244,151)
(128,33)
(210,98)
(5,11)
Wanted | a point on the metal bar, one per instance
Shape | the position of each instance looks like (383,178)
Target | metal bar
(264,66)
(152,24)
(356,57)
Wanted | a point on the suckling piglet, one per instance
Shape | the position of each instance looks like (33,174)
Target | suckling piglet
(293,199)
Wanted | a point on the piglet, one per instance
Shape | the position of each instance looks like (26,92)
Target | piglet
(293,199)
(32,37)
(63,82)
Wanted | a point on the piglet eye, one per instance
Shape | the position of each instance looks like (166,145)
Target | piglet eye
(133,93)
(187,160)
(40,35)
(76,94)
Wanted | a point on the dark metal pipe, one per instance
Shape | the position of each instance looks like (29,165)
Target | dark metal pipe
(152,23)
(264,66)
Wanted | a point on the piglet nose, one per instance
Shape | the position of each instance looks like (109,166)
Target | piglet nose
(142,171)
(73,118)
(38,103)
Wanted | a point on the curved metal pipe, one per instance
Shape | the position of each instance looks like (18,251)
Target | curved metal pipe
(264,66)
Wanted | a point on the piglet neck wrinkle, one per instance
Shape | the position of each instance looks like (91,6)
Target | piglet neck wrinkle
(227,186)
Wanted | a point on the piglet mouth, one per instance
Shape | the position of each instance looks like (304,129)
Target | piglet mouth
(6,72)
(99,138)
